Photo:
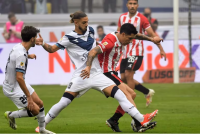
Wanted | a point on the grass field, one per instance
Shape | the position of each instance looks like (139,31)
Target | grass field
(179,111)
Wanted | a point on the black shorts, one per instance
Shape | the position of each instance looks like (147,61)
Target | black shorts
(131,63)
(114,77)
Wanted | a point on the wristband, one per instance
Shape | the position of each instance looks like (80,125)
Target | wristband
(43,43)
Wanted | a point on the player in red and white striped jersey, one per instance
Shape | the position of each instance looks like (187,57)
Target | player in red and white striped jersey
(133,54)
(110,51)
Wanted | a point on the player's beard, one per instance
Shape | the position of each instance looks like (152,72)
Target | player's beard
(83,29)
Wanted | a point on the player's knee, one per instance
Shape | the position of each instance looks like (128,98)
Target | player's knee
(133,95)
(40,104)
(35,111)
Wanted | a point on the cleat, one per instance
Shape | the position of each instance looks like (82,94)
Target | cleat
(149,97)
(148,118)
(150,126)
(37,130)
(46,132)
(10,120)
(113,125)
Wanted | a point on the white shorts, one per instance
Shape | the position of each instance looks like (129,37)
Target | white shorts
(17,95)
(98,82)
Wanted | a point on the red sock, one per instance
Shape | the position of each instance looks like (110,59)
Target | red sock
(120,110)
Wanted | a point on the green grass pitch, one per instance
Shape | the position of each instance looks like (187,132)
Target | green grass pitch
(178,105)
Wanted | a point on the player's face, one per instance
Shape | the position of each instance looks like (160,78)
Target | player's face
(126,39)
(132,6)
(83,24)
(33,41)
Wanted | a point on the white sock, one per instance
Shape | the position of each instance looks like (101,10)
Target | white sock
(41,119)
(127,106)
(56,109)
(20,113)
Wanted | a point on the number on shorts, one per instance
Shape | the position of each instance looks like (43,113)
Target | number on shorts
(23,99)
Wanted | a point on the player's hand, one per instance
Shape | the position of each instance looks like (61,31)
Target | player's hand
(30,103)
(32,56)
(157,40)
(163,54)
(39,41)
(85,73)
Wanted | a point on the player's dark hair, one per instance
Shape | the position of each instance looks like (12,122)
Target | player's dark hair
(128,29)
(100,26)
(10,15)
(28,32)
(77,15)
(135,0)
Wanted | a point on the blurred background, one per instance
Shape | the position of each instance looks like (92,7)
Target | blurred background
(52,18)
(177,103)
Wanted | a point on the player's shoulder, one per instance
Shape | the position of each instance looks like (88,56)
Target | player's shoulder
(91,29)
(19,50)
(141,16)
(124,14)
(110,37)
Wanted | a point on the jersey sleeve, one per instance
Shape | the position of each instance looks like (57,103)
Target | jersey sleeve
(63,43)
(145,23)
(21,64)
(106,44)
(119,22)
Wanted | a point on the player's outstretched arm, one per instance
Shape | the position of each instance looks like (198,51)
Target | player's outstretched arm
(85,73)
(151,33)
(20,80)
(47,47)
(155,39)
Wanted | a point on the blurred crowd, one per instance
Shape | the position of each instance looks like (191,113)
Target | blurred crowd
(52,6)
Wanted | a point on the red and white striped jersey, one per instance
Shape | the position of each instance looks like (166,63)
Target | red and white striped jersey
(111,52)
(141,23)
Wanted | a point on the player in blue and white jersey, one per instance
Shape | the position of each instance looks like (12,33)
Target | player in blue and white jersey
(17,89)
(78,43)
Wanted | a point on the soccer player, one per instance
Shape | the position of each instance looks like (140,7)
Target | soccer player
(78,43)
(133,54)
(16,88)
(110,51)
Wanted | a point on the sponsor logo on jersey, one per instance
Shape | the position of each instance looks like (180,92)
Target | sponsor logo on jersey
(76,40)
(22,64)
(105,43)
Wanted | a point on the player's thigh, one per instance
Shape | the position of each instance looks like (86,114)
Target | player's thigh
(103,84)
(78,86)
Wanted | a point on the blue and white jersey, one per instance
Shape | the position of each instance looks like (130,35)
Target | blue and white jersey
(78,47)
(17,62)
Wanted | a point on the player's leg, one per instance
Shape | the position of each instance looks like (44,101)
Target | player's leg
(119,111)
(130,94)
(107,86)
(41,115)
(58,107)
(19,99)
(147,92)
(133,64)
(71,92)
(129,108)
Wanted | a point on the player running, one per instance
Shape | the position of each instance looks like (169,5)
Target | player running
(78,43)
(133,54)
(17,89)
(110,51)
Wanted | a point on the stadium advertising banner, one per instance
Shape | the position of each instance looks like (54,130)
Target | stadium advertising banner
(57,68)
(53,34)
